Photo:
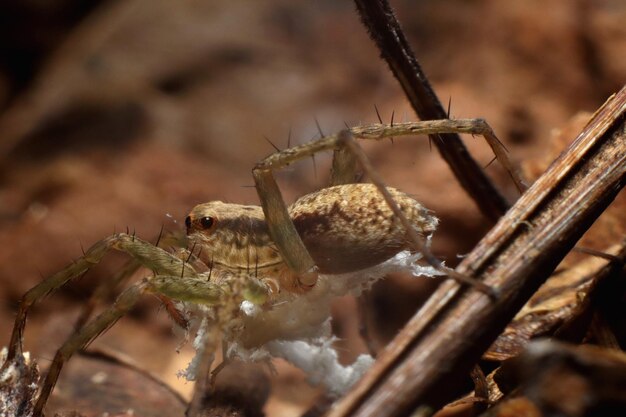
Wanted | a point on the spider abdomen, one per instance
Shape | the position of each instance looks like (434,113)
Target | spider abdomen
(351,227)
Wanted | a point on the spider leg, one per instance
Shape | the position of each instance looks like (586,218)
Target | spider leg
(222,365)
(203,375)
(344,169)
(347,152)
(106,290)
(363,303)
(281,228)
(205,381)
(143,252)
(234,291)
(84,336)
(428,127)
(419,242)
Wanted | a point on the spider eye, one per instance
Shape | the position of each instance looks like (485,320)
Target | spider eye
(207,222)
(188,222)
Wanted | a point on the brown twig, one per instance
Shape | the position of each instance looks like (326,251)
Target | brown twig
(385,30)
(441,343)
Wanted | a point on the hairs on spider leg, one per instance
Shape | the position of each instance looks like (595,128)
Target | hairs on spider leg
(271,143)
(438,136)
(210,269)
(175,314)
(498,141)
(289,138)
(319,128)
(160,235)
(256,266)
(380,119)
(191,252)
(248,261)
(393,112)
(449,107)
(102,331)
(314,166)
(490,162)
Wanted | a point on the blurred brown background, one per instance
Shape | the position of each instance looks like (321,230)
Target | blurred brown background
(128,113)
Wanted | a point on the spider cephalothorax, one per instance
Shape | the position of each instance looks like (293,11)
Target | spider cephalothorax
(345,228)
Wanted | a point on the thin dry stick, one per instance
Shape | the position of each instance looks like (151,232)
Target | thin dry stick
(385,31)
(436,350)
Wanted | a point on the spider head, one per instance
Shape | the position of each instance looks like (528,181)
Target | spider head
(232,235)
(217,220)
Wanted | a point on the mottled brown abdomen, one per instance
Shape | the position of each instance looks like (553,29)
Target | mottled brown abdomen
(350,227)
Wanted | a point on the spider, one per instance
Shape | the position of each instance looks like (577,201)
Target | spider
(261,278)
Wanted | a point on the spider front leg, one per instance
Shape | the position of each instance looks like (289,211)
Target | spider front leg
(281,227)
(107,289)
(147,254)
(143,252)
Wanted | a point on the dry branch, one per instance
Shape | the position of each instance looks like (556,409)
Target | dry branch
(385,31)
(440,344)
